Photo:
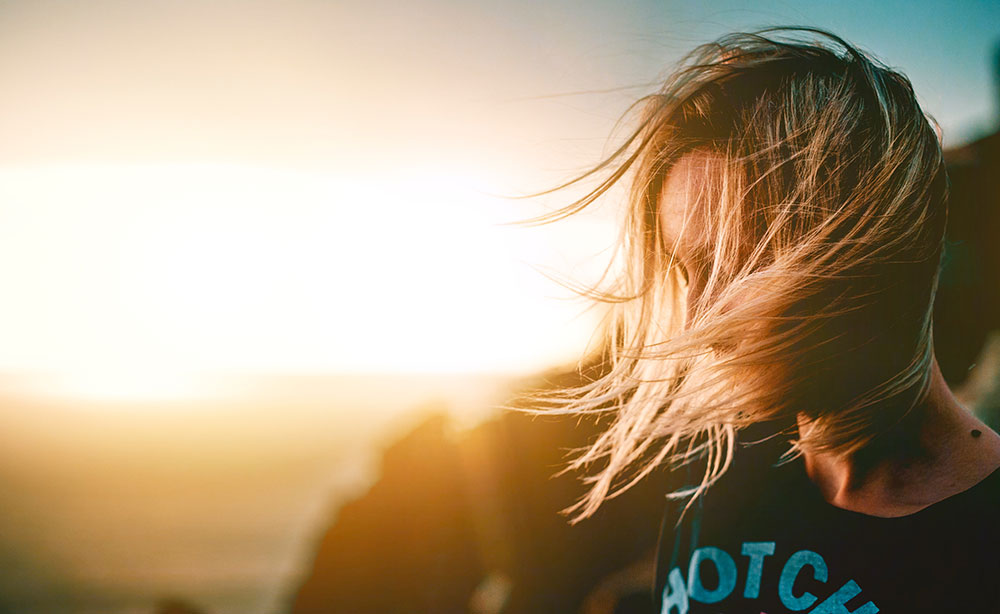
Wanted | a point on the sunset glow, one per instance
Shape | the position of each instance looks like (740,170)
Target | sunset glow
(122,279)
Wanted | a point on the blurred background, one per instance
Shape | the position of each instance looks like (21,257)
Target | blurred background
(261,300)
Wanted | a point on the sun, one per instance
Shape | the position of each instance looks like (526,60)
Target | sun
(125,280)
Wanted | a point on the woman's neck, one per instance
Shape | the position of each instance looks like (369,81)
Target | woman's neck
(950,451)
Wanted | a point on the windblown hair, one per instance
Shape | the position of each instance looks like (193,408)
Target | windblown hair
(821,215)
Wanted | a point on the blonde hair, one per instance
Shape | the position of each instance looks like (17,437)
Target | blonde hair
(822,208)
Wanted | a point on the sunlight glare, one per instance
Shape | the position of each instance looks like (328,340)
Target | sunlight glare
(191,268)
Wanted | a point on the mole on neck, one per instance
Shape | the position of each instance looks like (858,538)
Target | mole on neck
(925,458)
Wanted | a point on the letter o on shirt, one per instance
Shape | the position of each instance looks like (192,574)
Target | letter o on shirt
(724,565)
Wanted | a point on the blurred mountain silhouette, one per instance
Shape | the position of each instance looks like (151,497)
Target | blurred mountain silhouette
(967,309)
(471,522)
(173,605)
(968,304)
(406,545)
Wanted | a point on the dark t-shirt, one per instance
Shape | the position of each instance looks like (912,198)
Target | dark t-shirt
(764,541)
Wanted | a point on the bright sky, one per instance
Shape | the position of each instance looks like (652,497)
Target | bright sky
(308,186)
(208,266)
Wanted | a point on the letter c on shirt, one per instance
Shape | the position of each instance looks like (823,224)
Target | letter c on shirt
(791,571)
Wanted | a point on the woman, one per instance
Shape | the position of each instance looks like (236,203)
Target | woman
(771,342)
